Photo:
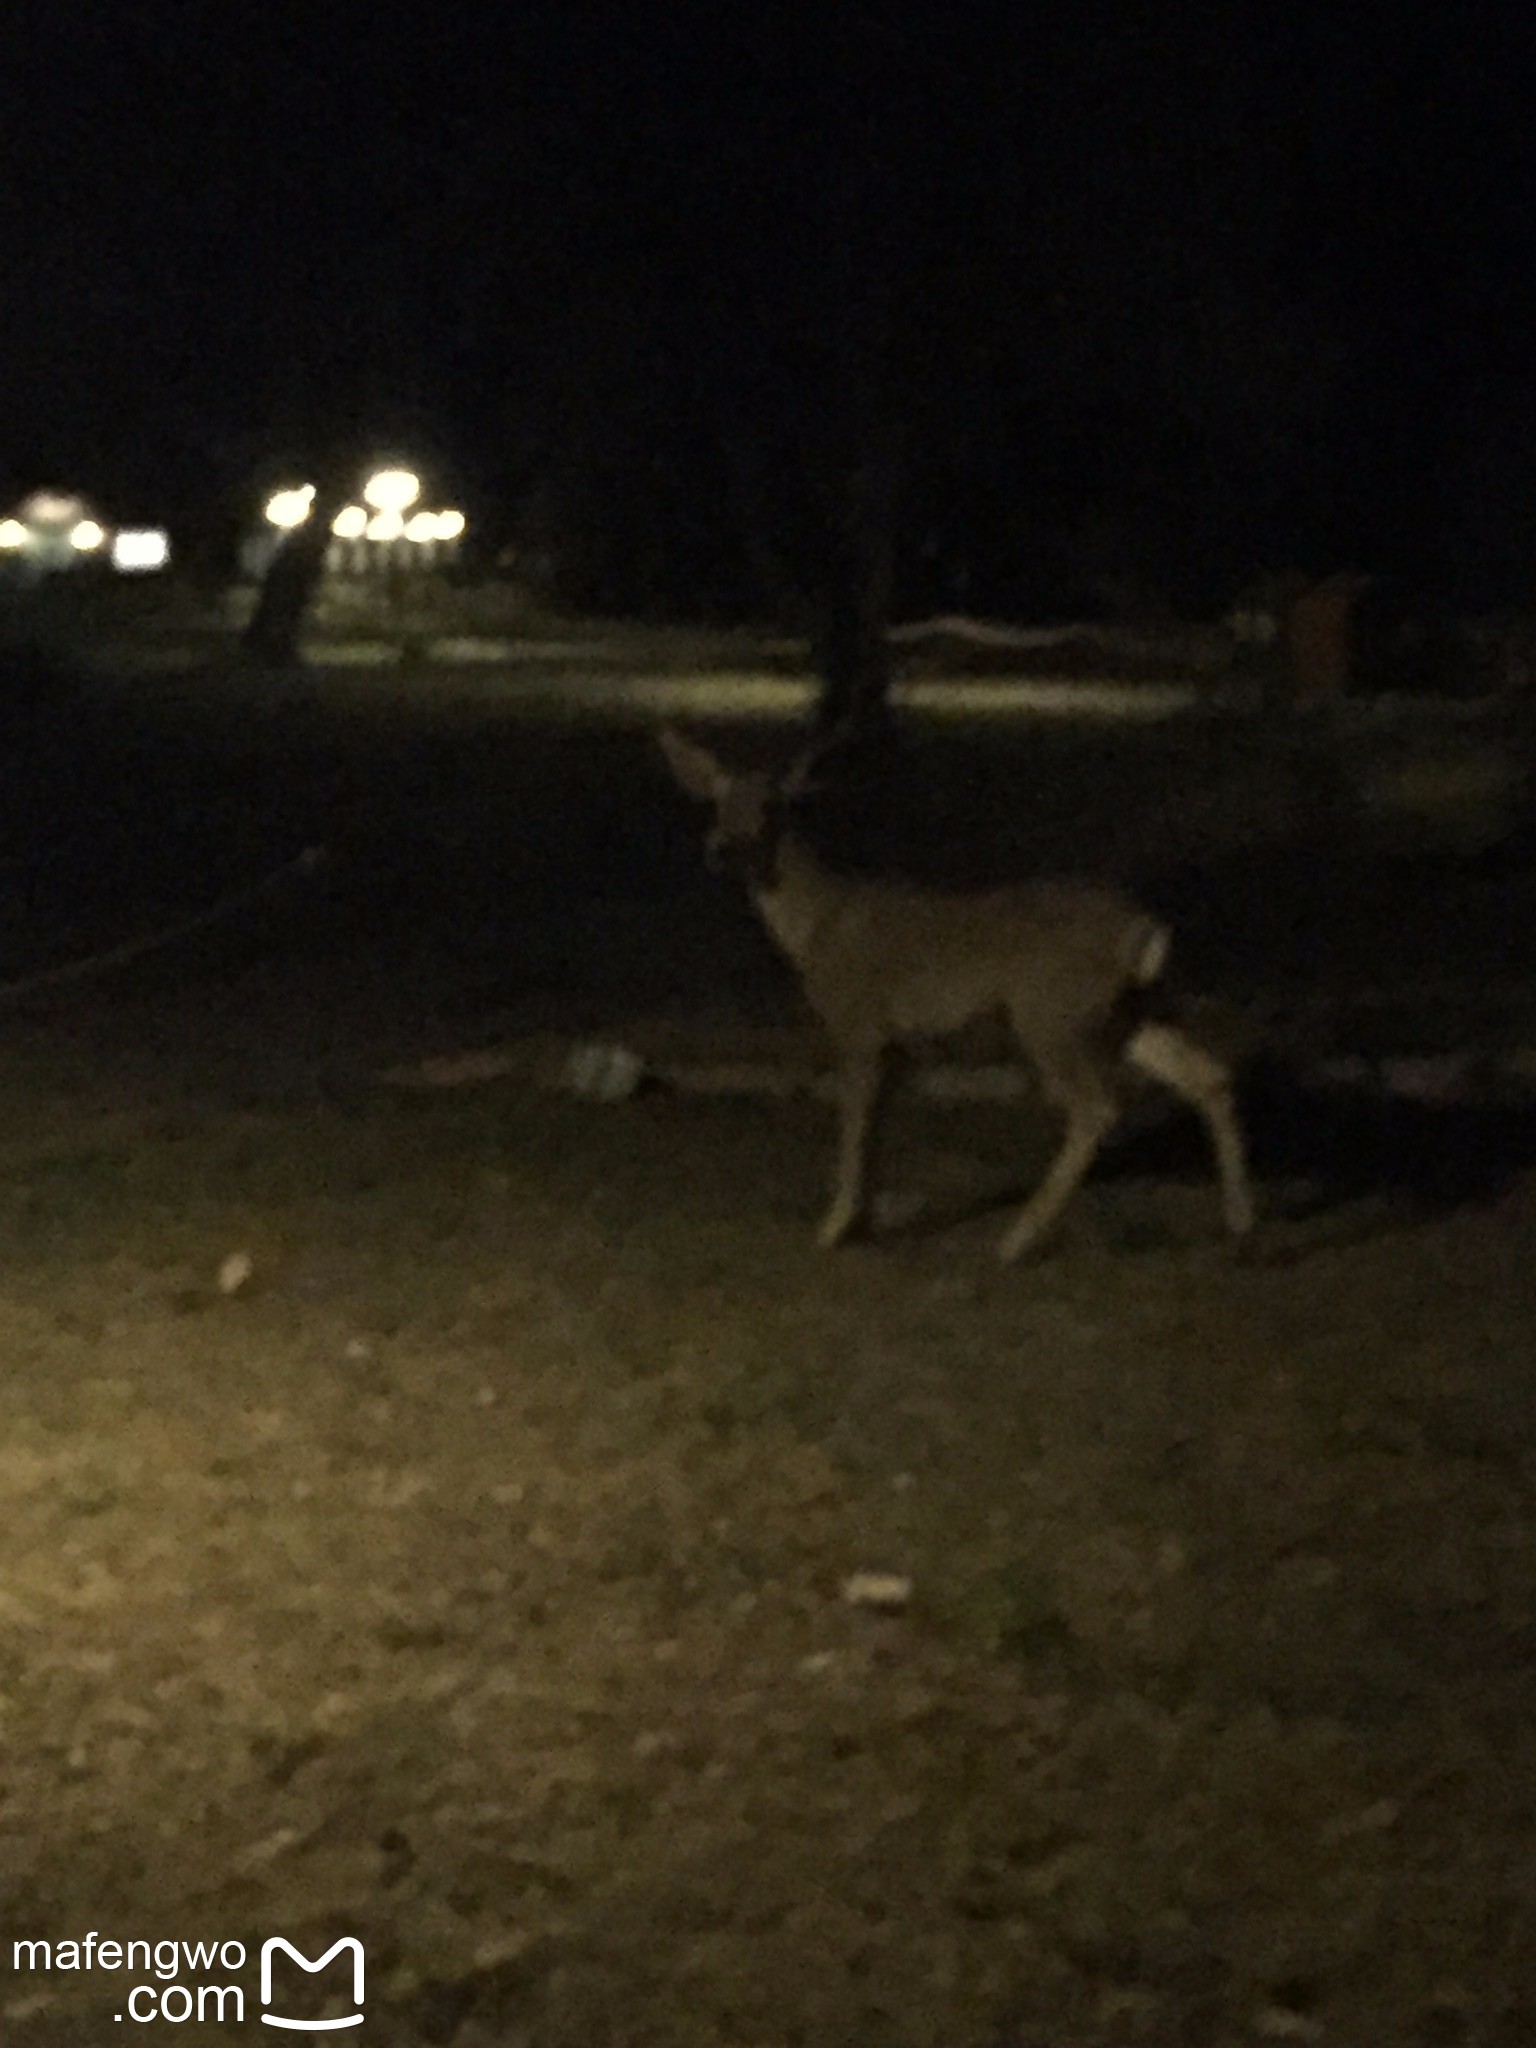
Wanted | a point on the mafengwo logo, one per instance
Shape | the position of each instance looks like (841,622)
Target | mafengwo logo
(178,1981)
(349,1944)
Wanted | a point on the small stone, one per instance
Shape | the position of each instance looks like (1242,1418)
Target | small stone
(1279,2023)
(235,1272)
(889,1591)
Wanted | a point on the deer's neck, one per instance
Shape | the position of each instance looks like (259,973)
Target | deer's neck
(803,894)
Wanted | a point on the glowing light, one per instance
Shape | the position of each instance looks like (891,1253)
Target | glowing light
(53,508)
(392,490)
(386,525)
(421,526)
(85,534)
(449,525)
(290,508)
(136,549)
(12,534)
(350,523)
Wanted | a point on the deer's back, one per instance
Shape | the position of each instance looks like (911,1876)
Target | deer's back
(893,960)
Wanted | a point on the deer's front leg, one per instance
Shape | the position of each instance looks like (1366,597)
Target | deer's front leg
(861,1085)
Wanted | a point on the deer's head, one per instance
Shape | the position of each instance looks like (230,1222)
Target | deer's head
(750,808)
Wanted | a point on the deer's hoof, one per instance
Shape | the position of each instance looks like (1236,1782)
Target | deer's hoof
(1016,1245)
(837,1229)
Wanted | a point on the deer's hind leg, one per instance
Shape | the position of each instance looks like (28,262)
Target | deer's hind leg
(1204,1082)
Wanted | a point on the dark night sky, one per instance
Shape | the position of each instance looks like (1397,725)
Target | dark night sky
(224,223)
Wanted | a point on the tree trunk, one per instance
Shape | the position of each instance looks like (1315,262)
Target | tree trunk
(774,590)
(851,652)
(289,586)
(1320,631)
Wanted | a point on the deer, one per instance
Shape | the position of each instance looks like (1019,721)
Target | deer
(883,962)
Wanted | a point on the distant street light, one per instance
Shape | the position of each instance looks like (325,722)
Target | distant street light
(52,509)
(392,490)
(139,549)
(368,537)
(290,508)
(51,530)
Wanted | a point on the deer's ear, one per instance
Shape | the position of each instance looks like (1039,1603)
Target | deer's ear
(695,767)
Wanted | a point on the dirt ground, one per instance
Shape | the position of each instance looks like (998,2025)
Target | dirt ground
(427,1515)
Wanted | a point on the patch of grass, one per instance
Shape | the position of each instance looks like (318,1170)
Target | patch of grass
(1016,1612)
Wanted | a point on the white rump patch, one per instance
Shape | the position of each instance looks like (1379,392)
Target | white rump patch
(1153,958)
